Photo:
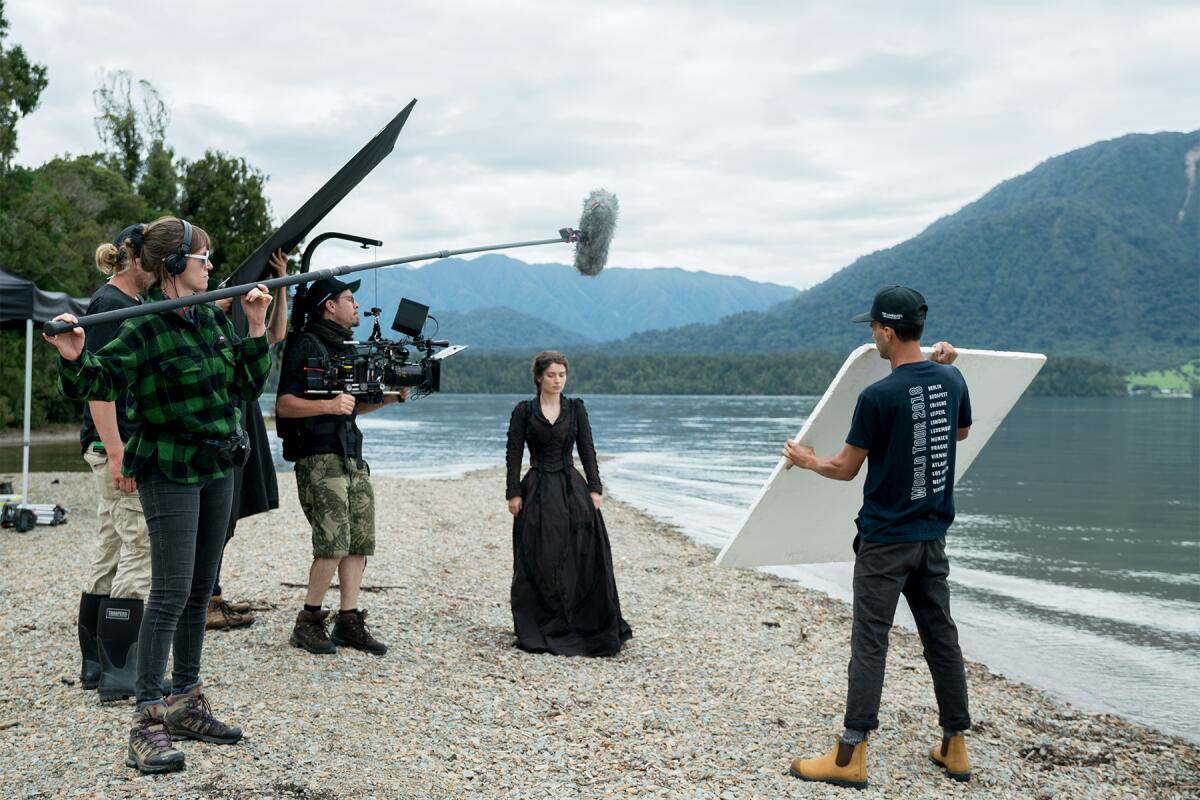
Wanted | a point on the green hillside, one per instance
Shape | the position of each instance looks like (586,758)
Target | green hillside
(616,303)
(499,329)
(1095,253)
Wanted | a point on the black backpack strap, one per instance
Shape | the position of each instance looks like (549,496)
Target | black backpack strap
(318,341)
(293,430)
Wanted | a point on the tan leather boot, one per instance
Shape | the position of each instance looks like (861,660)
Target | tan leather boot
(845,766)
(951,755)
(221,616)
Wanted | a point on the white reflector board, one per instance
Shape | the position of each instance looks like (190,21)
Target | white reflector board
(801,518)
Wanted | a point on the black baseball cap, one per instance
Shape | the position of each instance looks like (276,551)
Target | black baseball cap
(326,289)
(897,305)
(134,234)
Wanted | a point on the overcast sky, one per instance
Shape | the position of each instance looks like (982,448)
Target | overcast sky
(777,141)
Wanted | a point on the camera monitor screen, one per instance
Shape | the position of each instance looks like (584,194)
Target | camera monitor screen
(410,317)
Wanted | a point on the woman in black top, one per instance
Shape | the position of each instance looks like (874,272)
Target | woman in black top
(564,596)
(255,488)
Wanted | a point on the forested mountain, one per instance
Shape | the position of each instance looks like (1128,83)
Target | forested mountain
(612,305)
(1094,253)
(495,329)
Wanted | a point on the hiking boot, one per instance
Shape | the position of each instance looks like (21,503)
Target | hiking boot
(242,607)
(845,766)
(309,632)
(150,747)
(189,716)
(951,755)
(350,630)
(89,617)
(222,615)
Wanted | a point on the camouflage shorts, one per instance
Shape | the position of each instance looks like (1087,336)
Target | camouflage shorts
(340,505)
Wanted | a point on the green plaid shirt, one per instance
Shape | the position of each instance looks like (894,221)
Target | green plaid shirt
(180,375)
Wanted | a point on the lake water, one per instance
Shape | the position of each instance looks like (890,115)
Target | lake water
(1075,556)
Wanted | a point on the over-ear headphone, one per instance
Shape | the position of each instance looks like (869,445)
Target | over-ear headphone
(176,262)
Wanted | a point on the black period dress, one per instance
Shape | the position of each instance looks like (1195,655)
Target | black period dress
(564,596)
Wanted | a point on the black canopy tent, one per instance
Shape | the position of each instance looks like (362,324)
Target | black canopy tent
(22,303)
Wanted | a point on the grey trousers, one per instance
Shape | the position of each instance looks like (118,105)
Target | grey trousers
(919,571)
(187,533)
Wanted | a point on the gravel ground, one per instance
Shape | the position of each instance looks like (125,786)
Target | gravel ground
(730,674)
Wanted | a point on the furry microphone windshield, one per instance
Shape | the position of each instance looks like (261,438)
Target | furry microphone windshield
(595,231)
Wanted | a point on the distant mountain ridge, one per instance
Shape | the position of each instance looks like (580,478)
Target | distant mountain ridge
(1093,253)
(612,305)
(505,329)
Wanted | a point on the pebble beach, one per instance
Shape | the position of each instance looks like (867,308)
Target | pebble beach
(730,674)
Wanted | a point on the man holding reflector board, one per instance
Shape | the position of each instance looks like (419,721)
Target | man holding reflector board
(906,425)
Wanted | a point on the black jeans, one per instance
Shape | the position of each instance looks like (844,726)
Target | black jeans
(918,570)
(187,532)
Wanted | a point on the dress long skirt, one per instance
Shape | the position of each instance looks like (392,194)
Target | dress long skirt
(564,595)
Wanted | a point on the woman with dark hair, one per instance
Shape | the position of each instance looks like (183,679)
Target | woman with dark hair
(564,595)
(180,367)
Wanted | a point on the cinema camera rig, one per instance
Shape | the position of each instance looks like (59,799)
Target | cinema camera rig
(378,367)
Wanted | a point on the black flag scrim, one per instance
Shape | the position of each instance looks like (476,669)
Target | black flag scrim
(298,226)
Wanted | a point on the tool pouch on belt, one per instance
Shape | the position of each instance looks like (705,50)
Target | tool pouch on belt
(233,451)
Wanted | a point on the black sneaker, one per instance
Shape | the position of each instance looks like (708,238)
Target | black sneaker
(350,630)
(189,716)
(150,747)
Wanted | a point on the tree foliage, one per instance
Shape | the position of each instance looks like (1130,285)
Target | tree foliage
(131,120)
(52,217)
(1093,254)
(131,123)
(21,86)
(602,373)
(159,185)
(57,214)
(224,195)
(1065,376)
(794,373)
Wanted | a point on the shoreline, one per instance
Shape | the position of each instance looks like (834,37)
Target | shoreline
(47,434)
(730,674)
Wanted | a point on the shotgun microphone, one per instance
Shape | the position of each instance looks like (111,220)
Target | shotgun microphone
(596,227)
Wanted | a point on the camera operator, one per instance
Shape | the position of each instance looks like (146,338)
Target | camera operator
(321,436)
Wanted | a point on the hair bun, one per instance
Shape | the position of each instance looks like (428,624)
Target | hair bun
(108,258)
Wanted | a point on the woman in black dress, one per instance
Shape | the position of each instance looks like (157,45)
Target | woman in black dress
(564,596)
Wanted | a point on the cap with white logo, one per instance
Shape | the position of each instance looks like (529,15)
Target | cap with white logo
(896,304)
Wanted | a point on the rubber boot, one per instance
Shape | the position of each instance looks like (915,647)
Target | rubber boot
(89,615)
(117,635)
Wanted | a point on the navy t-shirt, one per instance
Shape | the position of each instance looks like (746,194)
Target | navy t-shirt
(907,422)
(106,298)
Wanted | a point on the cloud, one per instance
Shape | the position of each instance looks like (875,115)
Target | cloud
(775,140)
